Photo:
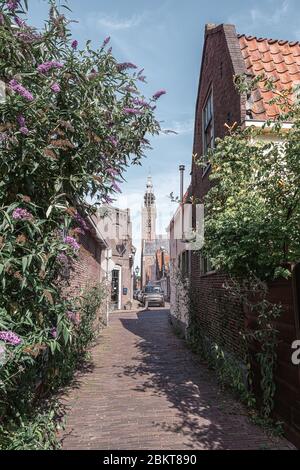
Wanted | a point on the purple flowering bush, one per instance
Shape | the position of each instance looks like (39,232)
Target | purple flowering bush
(73,120)
(10,338)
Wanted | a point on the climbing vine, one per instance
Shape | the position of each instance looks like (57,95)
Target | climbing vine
(179,301)
(232,372)
(264,334)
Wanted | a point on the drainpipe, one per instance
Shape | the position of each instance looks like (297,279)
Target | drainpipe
(182,170)
(108,256)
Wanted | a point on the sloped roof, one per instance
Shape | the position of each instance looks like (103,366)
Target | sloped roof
(279,60)
(150,247)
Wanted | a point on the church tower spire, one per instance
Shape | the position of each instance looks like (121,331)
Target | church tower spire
(148,253)
(149,213)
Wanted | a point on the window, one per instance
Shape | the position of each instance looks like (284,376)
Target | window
(208,129)
(157,290)
(205,265)
(184,263)
(117,217)
(117,224)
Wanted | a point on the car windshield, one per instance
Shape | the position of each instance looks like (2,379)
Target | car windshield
(152,289)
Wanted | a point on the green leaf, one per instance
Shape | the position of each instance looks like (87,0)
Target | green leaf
(24,263)
(66,335)
(48,213)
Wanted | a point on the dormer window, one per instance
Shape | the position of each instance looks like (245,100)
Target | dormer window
(208,128)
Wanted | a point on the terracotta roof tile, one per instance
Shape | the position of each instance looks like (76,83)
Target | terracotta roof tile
(293,69)
(278,60)
(248,63)
(267,95)
(295,50)
(290,59)
(269,66)
(263,47)
(266,57)
(282,67)
(258,67)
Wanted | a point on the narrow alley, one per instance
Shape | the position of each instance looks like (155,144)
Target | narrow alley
(147,390)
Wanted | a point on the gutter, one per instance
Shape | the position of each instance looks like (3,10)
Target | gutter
(262,125)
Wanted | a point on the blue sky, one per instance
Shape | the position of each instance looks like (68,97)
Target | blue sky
(166,38)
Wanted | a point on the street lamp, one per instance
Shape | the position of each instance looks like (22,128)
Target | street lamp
(181,170)
(137,272)
(163,251)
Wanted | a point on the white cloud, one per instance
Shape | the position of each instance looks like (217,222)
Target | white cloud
(178,128)
(183,127)
(258,15)
(114,26)
(114,23)
(272,15)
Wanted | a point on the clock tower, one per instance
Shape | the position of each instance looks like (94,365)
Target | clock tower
(149,213)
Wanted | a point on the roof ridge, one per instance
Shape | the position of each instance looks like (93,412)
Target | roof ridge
(248,37)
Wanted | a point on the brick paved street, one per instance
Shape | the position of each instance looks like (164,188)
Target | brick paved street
(146,390)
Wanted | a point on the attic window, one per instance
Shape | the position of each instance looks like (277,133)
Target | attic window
(208,128)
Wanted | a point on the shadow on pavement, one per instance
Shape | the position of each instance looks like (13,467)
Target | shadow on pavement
(167,367)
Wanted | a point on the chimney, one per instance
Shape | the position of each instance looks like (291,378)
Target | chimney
(209,26)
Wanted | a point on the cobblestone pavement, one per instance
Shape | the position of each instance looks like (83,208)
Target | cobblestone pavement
(147,390)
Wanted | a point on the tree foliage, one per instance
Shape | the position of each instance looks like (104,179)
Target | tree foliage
(253,209)
(73,119)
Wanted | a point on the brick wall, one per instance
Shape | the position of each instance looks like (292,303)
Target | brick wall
(287,375)
(222,59)
(220,317)
(85,271)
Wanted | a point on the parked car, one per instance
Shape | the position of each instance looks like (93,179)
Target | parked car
(140,296)
(153,296)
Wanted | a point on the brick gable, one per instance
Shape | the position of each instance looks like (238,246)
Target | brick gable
(222,59)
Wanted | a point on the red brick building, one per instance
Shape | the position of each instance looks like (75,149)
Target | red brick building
(225,55)
(87,271)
